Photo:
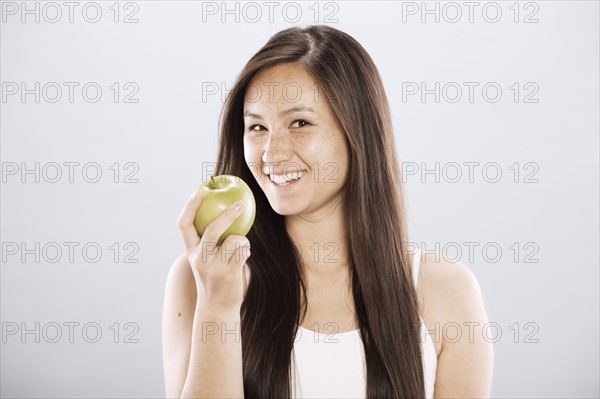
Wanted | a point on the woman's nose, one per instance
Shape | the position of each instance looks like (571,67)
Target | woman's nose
(277,149)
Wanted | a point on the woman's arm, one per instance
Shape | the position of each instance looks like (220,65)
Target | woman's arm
(178,311)
(465,363)
(202,340)
(199,361)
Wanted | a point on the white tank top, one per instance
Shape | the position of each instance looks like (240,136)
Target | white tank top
(333,365)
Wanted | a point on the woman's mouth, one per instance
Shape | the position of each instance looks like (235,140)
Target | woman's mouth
(286,179)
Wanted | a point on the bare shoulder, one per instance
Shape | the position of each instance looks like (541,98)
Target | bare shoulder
(180,280)
(450,288)
(453,309)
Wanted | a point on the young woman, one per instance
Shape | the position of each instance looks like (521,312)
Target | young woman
(322,298)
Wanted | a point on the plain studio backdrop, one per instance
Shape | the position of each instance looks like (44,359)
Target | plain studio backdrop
(109,120)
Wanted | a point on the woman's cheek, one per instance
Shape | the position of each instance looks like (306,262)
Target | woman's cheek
(309,146)
(251,161)
(250,149)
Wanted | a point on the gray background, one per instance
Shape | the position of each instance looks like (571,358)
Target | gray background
(171,53)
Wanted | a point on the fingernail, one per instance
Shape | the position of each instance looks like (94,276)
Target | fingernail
(197,195)
(238,206)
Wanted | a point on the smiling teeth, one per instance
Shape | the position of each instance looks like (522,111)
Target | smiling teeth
(283,179)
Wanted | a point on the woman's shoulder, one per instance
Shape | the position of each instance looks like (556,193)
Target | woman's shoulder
(445,274)
(455,316)
(180,285)
(449,291)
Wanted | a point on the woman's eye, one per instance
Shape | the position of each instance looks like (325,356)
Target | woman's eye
(300,123)
(256,128)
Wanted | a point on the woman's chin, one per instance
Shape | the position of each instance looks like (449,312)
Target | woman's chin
(285,207)
(284,210)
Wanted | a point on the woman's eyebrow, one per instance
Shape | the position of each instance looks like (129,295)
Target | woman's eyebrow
(251,115)
(300,108)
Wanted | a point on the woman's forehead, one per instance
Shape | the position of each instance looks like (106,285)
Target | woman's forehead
(284,86)
(288,71)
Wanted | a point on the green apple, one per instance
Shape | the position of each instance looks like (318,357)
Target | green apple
(217,194)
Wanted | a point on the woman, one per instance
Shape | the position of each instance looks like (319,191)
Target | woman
(307,126)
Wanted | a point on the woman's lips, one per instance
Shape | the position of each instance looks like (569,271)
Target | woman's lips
(283,180)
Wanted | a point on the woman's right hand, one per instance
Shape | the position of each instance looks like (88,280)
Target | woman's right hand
(218,270)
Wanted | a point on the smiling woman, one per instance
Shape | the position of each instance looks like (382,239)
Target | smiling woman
(288,140)
(307,126)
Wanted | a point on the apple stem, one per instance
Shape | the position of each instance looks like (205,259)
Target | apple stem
(212,179)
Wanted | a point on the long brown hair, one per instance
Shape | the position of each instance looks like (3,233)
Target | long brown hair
(380,269)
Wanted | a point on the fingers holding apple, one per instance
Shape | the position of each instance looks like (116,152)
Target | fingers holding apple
(185,222)
(213,225)
(237,249)
(218,194)
(215,234)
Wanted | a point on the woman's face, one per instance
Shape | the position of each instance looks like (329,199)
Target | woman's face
(292,143)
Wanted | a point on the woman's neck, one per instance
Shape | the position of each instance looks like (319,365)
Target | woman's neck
(321,239)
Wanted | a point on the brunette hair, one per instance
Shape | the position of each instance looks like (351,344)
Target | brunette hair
(380,267)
